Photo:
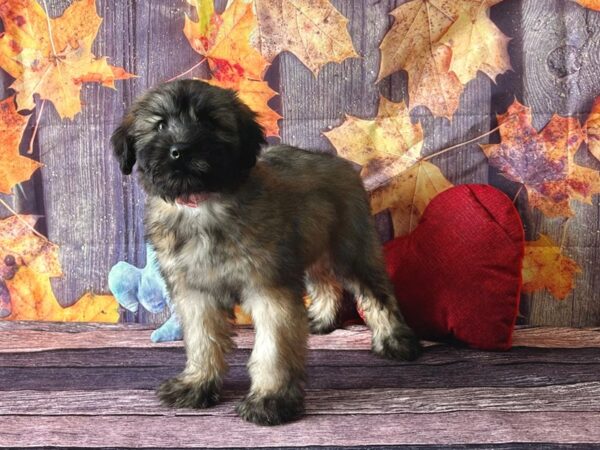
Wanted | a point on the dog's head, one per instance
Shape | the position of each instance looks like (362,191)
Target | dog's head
(189,139)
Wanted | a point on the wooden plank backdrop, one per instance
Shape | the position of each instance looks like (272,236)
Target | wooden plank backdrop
(95,215)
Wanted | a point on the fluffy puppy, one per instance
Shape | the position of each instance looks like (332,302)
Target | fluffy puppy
(231,224)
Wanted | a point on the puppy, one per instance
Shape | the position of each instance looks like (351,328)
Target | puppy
(231,224)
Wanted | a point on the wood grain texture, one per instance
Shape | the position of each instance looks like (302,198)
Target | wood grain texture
(572,397)
(530,397)
(37,336)
(373,429)
(435,355)
(561,62)
(400,375)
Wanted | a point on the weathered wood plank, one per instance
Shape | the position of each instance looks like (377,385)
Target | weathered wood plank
(36,336)
(81,184)
(574,397)
(400,375)
(390,429)
(175,356)
(561,44)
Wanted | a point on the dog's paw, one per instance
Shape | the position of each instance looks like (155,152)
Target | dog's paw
(177,393)
(273,409)
(401,345)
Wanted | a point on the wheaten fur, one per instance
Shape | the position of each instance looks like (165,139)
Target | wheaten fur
(272,225)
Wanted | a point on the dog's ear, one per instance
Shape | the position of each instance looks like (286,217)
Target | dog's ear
(123,148)
(252,136)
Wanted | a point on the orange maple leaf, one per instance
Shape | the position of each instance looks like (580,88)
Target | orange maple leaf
(442,45)
(224,40)
(256,94)
(32,299)
(545,267)
(14,168)
(592,128)
(592,4)
(544,161)
(52,57)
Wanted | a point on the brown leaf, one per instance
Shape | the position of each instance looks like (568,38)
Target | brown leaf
(544,161)
(314,31)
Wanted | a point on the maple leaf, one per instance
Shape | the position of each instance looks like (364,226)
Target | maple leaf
(407,195)
(477,44)
(52,57)
(224,40)
(14,168)
(33,299)
(314,31)
(415,43)
(27,248)
(592,4)
(389,150)
(256,94)
(385,146)
(544,161)
(545,267)
(592,128)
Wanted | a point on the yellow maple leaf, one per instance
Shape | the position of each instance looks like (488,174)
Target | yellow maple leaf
(592,128)
(407,195)
(415,43)
(388,148)
(18,241)
(434,86)
(543,161)
(52,57)
(477,44)
(14,168)
(314,31)
(32,299)
(385,146)
(545,267)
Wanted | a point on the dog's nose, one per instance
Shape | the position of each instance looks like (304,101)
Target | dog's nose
(175,151)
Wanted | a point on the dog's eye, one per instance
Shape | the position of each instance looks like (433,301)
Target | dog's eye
(160,126)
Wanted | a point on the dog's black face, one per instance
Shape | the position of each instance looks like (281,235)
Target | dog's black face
(187,138)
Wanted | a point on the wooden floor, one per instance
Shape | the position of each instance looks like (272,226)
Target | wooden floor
(66,385)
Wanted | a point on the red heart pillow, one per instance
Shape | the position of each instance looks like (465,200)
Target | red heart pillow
(458,274)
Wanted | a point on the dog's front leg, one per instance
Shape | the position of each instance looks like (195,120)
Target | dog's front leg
(276,365)
(207,338)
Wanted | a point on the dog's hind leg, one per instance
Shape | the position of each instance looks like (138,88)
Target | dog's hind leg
(325,293)
(276,365)
(360,265)
(207,338)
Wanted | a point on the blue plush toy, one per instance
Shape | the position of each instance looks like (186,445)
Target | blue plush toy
(132,286)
